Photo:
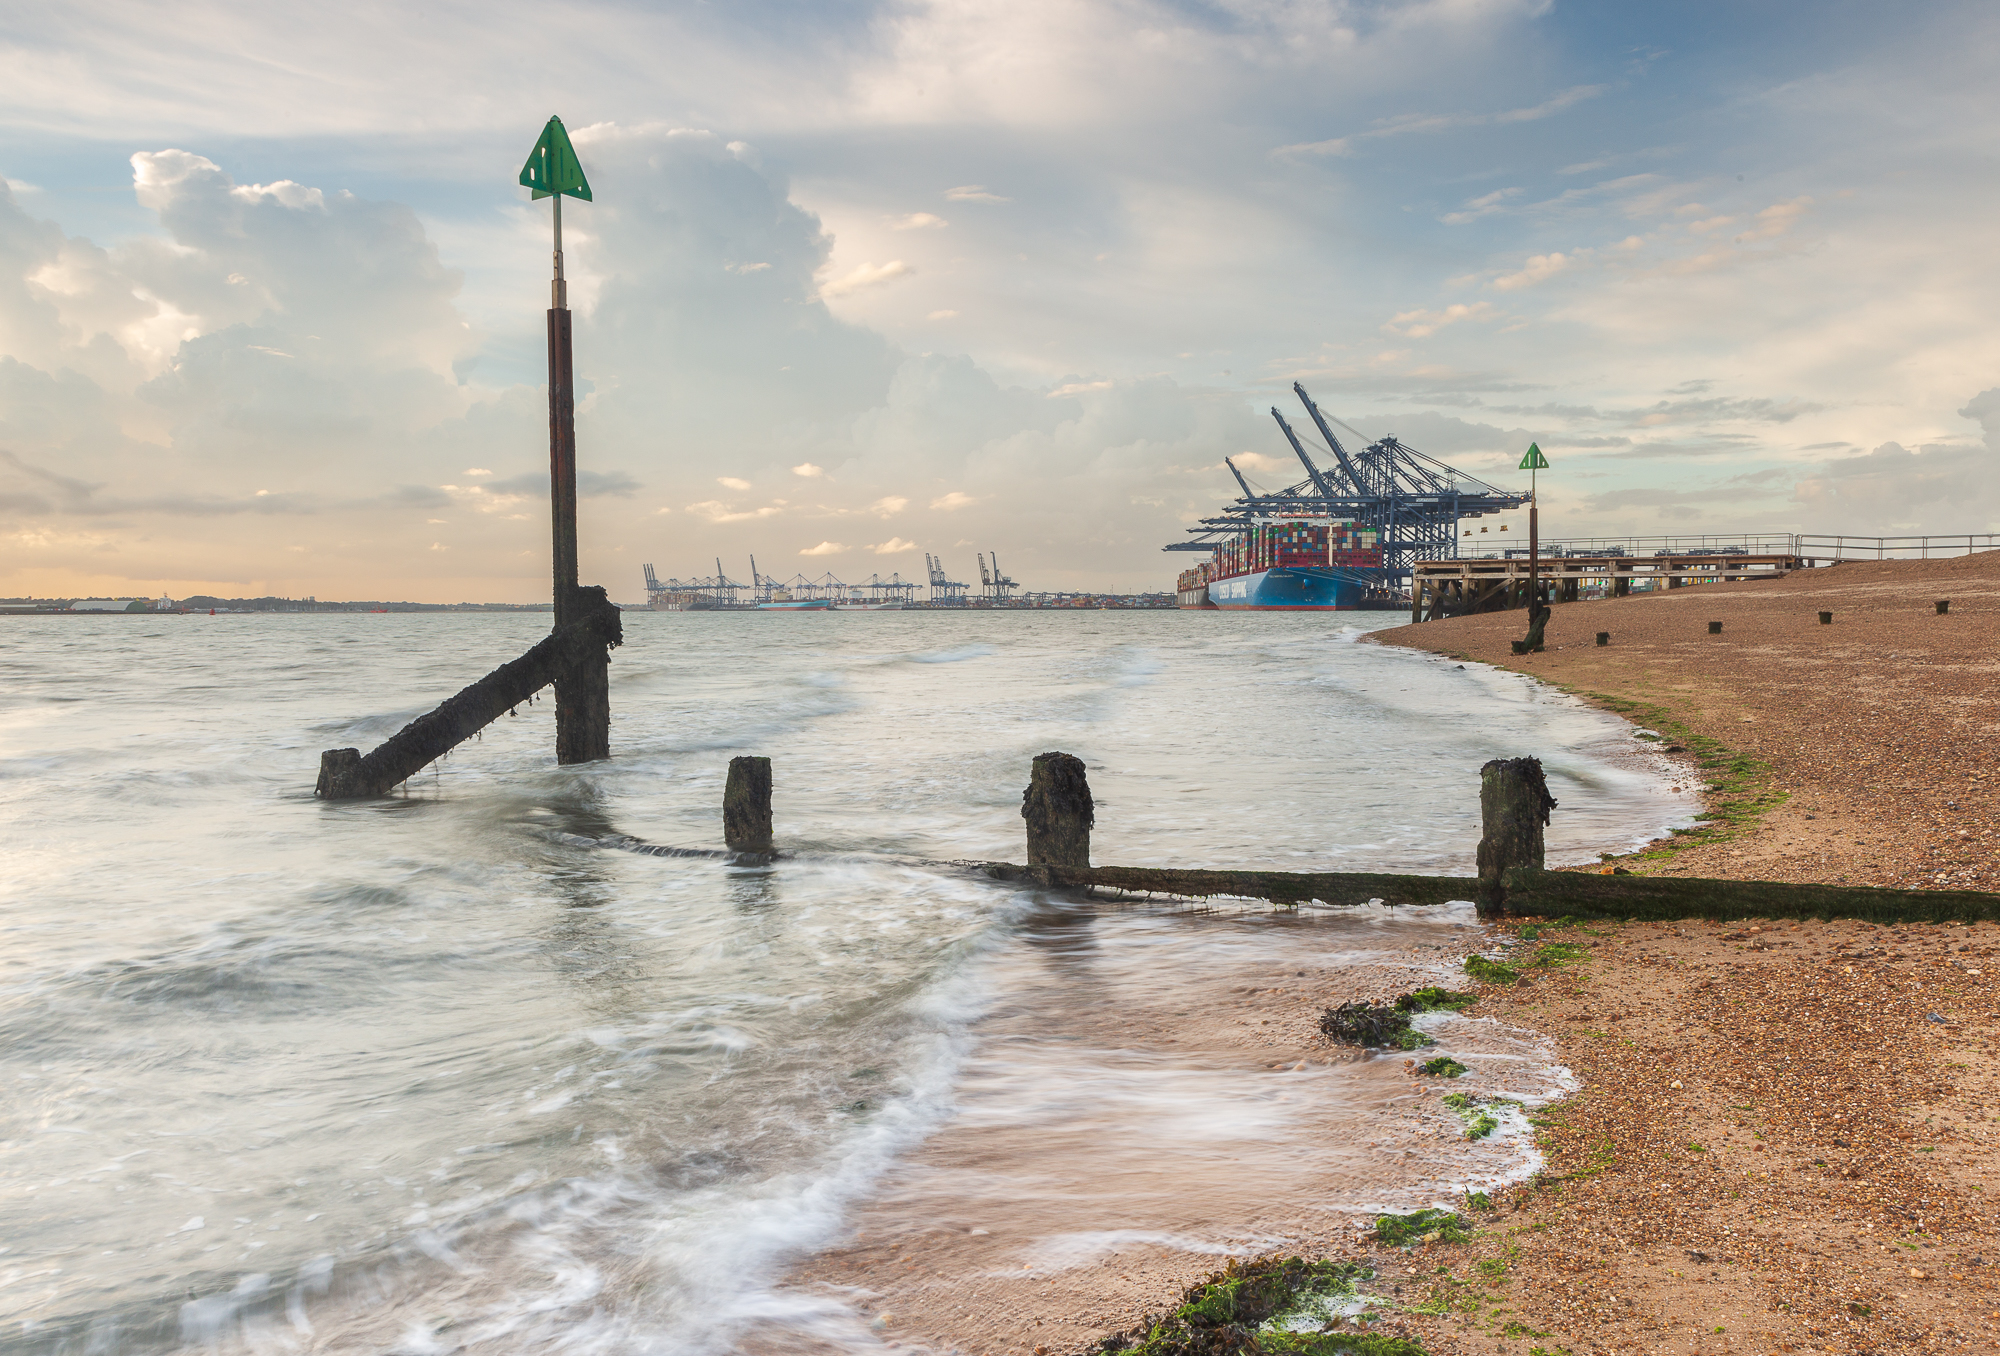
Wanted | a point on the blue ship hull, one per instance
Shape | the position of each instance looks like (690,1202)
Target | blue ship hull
(1284,590)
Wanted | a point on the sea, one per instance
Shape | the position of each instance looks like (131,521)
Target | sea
(480,1066)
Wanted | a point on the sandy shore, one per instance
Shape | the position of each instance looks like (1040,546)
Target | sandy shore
(1877,735)
(1785,1139)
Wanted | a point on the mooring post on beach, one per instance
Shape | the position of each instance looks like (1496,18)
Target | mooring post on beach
(1514,805)
(746,805)
(1059,811)
(1943,606)
(1603,638)
(1826,619)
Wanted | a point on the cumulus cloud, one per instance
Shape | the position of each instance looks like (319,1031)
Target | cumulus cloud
(825,548)
(972,193)
(895,546)
(918,221)
(956,499)
(808,470)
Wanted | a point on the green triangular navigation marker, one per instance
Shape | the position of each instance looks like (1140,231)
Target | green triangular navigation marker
(1532,460)
(552,166)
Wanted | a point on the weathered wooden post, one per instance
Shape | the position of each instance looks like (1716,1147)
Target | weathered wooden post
(1059,811)
(1943,606)
(746,805)
(1715,628)
(1826,619)
(1514,805)
(1603,638)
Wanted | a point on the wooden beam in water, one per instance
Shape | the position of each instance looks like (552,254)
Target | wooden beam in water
(344,774)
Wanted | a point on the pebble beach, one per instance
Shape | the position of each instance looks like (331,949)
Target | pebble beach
(1785,1135)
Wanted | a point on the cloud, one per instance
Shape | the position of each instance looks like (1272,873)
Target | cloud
(893,547)
(1406,123)
(1421,324)
(1539,268)
(863,276)
(732,483)
(889,505)
(1937,487)
(972,193)
(956,499)
(1078,388)
(917,221)
(1774,220)
(1480,207)
(825,548)
(808,470)
(718,512)
(589,485)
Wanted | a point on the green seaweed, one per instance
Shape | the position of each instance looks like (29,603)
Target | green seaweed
(1411,1039)
(1480,1126)
(1444,1066)
(1478,1200)
(1420,1226)
(1489,971)
(1238,1312)
(1435,999)
(1560,953)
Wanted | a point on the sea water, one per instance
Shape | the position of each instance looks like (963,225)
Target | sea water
(463,1068)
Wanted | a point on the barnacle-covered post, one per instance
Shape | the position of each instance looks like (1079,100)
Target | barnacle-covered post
(746,805)
(1059,811)
(1514,805)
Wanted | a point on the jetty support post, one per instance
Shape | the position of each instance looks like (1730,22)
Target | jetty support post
(1514,805)
(344,774)
(746,805)
(1059,811)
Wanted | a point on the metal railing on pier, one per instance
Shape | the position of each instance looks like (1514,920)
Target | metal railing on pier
(1820,548)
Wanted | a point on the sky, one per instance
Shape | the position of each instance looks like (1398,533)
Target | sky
(863,281)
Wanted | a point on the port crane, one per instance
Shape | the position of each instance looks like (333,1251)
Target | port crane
(948,592)
(996,586)
(1412,501)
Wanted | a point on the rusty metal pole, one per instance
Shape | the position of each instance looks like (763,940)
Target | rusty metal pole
(583,693)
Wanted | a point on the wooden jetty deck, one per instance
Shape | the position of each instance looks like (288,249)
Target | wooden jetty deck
(1453,588)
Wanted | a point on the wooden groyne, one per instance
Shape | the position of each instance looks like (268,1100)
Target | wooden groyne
(1515,807)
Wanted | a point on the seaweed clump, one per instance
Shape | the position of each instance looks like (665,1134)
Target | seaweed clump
(1420,1226)
(1444,1066)
(1360,1023)
(1231,1314)
(1489,971)
(1435,999)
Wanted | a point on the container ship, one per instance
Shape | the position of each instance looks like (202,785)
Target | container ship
(1291,565)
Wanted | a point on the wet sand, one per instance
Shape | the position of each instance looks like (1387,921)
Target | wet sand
(1109,1152)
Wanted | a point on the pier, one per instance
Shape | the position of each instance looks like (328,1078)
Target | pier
(1457,588)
